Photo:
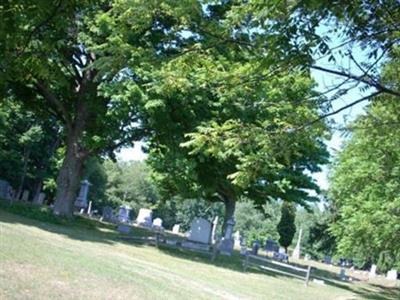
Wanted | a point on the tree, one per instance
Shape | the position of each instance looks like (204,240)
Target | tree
(365,182)
(253,224)
(286,227)
(28,152)
(48,65)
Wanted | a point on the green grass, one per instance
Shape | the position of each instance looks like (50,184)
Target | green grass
(45,258)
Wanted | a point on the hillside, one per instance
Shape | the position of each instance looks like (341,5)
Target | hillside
(40,260)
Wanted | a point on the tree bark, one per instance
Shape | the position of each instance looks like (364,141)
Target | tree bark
(68,179)
(230,205)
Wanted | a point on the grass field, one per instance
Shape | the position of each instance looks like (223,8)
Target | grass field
(86,260)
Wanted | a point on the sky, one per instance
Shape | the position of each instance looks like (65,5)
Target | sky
(324,82)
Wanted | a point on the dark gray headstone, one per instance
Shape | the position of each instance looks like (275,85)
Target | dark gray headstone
(107,213)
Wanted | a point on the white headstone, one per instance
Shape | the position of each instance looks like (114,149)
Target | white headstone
(392,275)
(25,196)
(89,210)
(175,228)
(296,251)
(200,231)
(372,272)
(145,217)
(237,239)
(157,223)
(214,230)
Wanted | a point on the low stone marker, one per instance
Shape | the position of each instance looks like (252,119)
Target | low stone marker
(25,196)
(157,223)
(176,228)
(124,228)
(391,275)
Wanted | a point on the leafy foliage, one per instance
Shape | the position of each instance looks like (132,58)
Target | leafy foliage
(365,184)
(286,226)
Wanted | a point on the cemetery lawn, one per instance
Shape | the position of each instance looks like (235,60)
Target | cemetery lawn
(87,260)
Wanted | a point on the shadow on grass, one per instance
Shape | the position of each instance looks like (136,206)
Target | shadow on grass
(84,229)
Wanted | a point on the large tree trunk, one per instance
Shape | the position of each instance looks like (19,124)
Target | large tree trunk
(68,179)
(230,205)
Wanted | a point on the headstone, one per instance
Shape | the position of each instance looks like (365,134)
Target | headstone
(89,210)
(39,199)
(372,272)
(283,257)
(200,231)
(25,196)
(243,250)
(282,250)
(391,275)
(124,228)
(195,246)
(123,214)
(107,213)
(227,242)
(237,239)
(214,230)
(81,200)
(271,246)
(296,251)
(157,223)
(4,189)
(328,259)
(255,247)
(145,217)
(176,228)
(342,274)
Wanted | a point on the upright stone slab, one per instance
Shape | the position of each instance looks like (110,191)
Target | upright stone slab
(372,272)
(107,213)
(145,217)
(237,239)
(123,214)
(227,242)
(4,189)
(255,247)
(25,196)
(271,246)
(200,231)
(214,230)
(81,201)
(296,251)
(40,199)
(89,210)
(391,275)
(176,228)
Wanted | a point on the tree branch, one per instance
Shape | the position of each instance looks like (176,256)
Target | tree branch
(53,101)
(369,82)
(339,110)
